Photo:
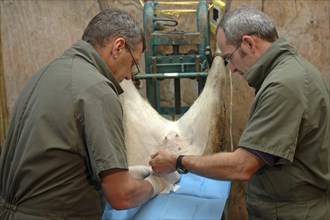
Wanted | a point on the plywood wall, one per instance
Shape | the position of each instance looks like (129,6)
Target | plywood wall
(33,32)
(3,101)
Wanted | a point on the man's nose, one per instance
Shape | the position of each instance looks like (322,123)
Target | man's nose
(129,76)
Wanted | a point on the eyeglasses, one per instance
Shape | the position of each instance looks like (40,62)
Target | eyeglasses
(137,71)
(228,58)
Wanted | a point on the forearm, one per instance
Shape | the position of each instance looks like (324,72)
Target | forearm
(222,166)
(135,194)
(237,165)
(124,192)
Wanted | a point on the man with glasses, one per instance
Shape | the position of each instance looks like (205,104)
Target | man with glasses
(284,150)
(136,69)
(64,154)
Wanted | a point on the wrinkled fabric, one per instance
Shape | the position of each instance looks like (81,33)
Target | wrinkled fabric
(66,128)
(290,120)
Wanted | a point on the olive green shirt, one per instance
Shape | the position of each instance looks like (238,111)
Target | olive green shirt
(66,128)
(290,120)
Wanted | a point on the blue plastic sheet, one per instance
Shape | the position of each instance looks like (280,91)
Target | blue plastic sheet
(197,198)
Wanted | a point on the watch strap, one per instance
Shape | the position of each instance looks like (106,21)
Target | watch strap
(179,167)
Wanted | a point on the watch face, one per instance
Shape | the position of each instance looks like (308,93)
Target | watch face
(181,171)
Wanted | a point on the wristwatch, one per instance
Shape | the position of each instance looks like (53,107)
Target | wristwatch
(179,166)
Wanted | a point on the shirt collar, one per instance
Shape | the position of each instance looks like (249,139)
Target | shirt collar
(85,50)
(267,62)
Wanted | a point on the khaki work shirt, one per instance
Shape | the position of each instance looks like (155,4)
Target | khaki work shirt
(66,128)
(290,120)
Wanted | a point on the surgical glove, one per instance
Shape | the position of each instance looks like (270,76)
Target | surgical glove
(157,182)
(173,177)
(139,172)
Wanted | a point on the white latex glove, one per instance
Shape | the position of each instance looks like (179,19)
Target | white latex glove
(158,183)
(139,172)
(173,177)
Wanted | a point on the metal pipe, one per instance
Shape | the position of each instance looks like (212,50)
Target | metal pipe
(177,94)
(160,76)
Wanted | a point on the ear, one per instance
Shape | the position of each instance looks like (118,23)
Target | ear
(249,42)
(118,46)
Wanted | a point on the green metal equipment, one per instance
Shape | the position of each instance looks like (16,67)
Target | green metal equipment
(175,65)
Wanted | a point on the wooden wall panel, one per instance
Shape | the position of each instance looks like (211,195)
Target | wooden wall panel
(3,102)
(35,32)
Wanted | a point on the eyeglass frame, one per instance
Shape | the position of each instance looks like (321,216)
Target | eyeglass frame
(228,58)
(135,63)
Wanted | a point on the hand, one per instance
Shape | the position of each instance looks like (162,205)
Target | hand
(158,183)
(163,162)
(140,172)
(173,177)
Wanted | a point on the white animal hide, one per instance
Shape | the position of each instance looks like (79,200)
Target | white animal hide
(195,133)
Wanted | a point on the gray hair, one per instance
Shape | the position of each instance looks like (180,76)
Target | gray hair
(112,23)
(247,21)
